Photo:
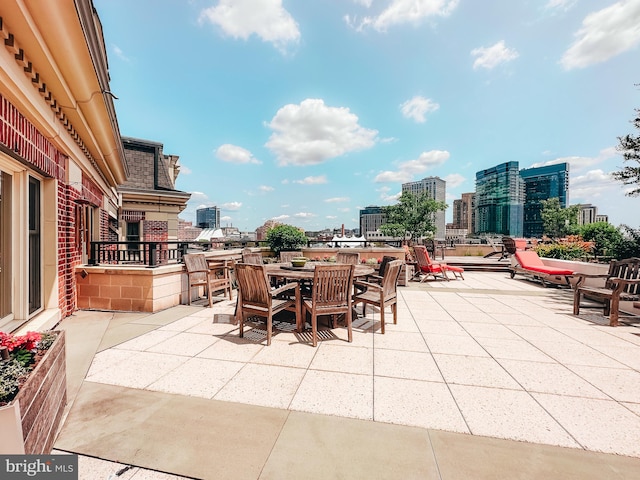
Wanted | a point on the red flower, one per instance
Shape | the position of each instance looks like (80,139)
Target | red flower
(27,341)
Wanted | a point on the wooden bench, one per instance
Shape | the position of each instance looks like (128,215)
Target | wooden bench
(622,282)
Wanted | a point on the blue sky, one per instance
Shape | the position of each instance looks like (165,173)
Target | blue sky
(308,110)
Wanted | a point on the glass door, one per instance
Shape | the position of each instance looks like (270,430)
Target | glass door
(35,257)
(6,308)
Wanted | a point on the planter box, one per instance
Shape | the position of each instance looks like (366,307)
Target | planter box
(29,424)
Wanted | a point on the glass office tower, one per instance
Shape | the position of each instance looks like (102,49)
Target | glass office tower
(208,217)
(500,199)
(543,183)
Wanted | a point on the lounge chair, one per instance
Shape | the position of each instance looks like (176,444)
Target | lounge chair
(426,268)
(529,263)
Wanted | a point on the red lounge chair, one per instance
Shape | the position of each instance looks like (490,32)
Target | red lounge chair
(425,266)
(528,262)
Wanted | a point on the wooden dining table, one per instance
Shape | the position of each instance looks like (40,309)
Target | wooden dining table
(288,272)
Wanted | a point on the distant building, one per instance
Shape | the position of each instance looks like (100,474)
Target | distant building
(208,217)
(436,188)
(464,212)
(500,196)
(261,231)
(589,214)
(150,202)
(186,231)
(371,218)
(542,183)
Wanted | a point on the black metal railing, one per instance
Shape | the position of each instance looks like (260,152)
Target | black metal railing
(150,254)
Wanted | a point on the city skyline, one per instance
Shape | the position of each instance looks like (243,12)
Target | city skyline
(307,112)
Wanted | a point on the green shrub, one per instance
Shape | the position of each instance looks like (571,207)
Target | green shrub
(11,373)
(285,237)
(561,251)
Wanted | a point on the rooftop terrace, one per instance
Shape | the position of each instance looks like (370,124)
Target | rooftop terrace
(489,377)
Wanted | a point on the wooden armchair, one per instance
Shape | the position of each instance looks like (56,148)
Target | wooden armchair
(200,275)
(331,295)
(256,297)
(622,282)
(285,257)
(349,258)
(382,295)
(377,278)
(251,258)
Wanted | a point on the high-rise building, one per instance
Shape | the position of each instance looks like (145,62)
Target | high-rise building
(542,183)
(371,218)
(436,188)
(208,217)
(500,200)
(464,212)
(588,214)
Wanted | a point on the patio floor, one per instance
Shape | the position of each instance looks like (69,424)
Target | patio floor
(489,377)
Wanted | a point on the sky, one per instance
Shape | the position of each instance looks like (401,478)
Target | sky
(306,111)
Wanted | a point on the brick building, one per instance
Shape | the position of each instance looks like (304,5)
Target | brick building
(150,202)
(61,156)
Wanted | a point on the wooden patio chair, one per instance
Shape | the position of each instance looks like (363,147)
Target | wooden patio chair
(381,295)
(256,297)
(429,268)
(251,258)
(285,257)
(200,275)
(622,282)
(331,295)
(349,258)
(377,277)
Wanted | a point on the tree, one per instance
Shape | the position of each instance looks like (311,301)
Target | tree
(606,238)
(413,215)
(629,145)
(558,222)
(285,237)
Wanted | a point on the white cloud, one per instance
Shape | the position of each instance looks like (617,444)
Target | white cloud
(331,217)
(337,199)
(320,179)
(404,11)
(231,206)
(366,3)
(198,196)
(280,217)
(418,107)
(578,163)
(266,188)
(605,34)
(454,180)
(265,18)
(406,170)
(303,215)
(226,218)
(344,209)
(593,184)
(311,133)
(491,57)
(234,154)
(185,170)
(564,5)
(120,54)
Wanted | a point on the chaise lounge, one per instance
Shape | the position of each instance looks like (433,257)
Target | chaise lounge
(529,263)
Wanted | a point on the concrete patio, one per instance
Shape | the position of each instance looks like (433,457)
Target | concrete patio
(485,378)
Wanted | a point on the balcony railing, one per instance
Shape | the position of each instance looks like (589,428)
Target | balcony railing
(150,254)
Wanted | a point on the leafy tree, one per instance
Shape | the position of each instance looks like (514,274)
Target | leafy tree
(605,237)
(285,237)
(559,222)
(629,145)
(629,246)
(412,216)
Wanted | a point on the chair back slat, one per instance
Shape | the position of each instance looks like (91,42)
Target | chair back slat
(383,264)
(422,256)
(285,257)
(253,284)
(197,267)
(509,245)
(390,279)
(332,285)
(252,258)
(350,258)
(629,269)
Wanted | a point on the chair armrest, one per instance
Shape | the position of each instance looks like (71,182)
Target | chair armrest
(584,276)
(366,285)
(285,287)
